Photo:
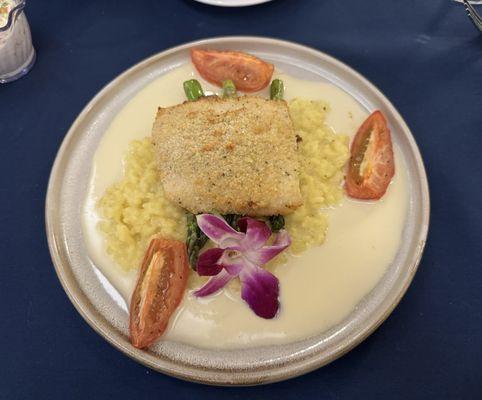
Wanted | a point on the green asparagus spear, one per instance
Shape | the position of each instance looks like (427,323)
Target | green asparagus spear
(276,222)
(229,89)
(232,220)
(193,89)
(195,241)
(276,92)
(277,89)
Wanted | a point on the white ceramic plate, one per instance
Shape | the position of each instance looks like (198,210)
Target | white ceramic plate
(95,299)
(232,3)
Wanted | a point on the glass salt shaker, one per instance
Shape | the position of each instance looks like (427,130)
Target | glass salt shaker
(17,54)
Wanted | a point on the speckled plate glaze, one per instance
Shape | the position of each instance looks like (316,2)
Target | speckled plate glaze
(101,306)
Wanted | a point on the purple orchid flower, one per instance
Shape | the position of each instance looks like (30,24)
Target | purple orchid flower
(241,254)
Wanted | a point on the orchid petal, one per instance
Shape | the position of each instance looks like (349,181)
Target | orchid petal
(232,264)
(212,261)
(257,233)
(218,230)
(260,289)
(266,253)
(208,262)
(214,284)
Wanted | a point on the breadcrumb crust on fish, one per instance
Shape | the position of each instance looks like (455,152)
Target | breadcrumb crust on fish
(232,155)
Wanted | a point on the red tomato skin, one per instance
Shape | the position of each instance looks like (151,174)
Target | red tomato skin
(375,184)
(146,329)
(249,73)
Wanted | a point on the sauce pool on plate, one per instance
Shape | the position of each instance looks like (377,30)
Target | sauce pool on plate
(319,288)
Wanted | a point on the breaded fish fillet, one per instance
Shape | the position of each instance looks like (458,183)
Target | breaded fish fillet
(233,155)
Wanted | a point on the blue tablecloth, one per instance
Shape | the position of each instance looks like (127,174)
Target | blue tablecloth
(424,55)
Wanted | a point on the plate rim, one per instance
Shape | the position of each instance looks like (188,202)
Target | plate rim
(222,3)
(196,373)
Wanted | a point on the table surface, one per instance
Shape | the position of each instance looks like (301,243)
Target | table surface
(424,55)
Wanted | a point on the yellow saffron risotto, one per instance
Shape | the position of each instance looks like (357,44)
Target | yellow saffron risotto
(323,155)
(135,209)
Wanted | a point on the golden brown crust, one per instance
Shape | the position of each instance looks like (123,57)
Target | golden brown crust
(229,156)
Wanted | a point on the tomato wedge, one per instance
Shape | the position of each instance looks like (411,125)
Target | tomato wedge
(159,290)
(248,72)
(371,166)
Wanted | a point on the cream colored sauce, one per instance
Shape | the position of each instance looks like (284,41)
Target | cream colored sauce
(318,288)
